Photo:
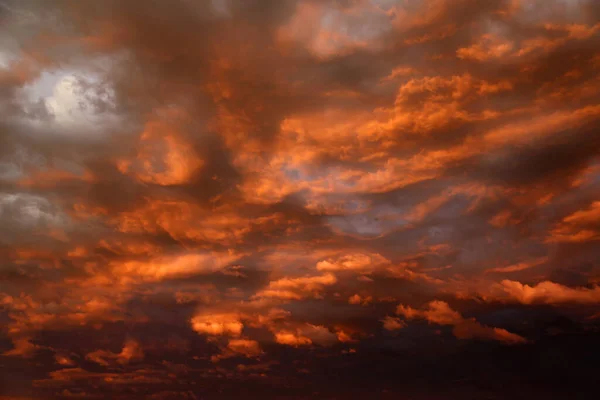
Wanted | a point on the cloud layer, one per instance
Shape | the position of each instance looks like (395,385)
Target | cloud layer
(210,199)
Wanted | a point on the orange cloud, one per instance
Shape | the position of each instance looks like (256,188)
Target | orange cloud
(356,262)
(22,347)
(494,47)
(217,324)
(297,288)
(392,323)
(357,299)
(440,101)
(345,152)
(249,348)
(239,347)
(344,337)
(291,339)
(305,335)
(132,351)
(581,226)
(328,30)
(549,293)
(188,221)
(520,266)
(163,156)
(53,176)
(29,315)
(64,360)
(165,267)
(440,313)
(488,47)
(502,219)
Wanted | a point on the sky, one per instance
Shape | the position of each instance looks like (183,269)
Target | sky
(299,199)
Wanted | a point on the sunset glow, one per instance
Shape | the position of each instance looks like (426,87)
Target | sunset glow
(299,199)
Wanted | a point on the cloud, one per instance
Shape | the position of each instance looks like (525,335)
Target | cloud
(259,181)
(581,226)
(172,266)
(131,352)
(344,337)
(25,213)
(343,30)
(353,262)
(520,266)
(291,339)
(239,348)
(357,299)
(549,293)
(217,324)
(297,288)
(163,156)
(64,360)
(440,313)
(306,335)
(249,348)
(392,323)
(318,334)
